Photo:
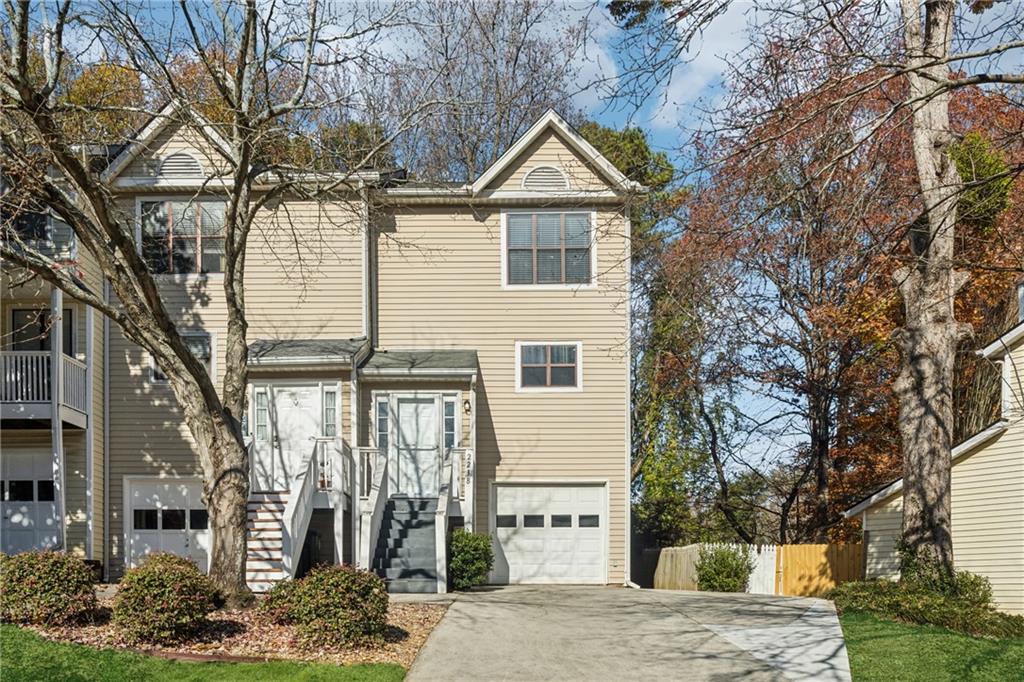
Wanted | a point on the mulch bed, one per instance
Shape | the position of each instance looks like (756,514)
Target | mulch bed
(246,635)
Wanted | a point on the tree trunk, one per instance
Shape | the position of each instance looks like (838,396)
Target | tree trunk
(225,462)
(928,287)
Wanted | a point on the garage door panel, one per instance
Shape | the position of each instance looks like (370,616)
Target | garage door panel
(550,550)
(161,517)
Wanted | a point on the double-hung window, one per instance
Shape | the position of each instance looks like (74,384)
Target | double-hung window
(548,366)
(183,236)
(201,347)
(548,247)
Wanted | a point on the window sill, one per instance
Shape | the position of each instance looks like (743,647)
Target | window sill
(549,389)
(189,277)
(549,287)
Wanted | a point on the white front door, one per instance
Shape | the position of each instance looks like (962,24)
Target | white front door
(418,457)
(168,516)
(550,533)
(28,508)
(287,420)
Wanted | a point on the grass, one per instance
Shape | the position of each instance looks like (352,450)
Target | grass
(26,656)
(897,652)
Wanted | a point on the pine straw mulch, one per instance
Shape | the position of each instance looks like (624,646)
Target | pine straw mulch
(248,635)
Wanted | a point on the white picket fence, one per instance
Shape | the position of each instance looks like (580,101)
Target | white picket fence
(677,567)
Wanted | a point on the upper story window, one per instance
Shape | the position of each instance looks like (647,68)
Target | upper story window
(201,347)
(548,366)
(30,330)
(183,236)
(42,232)
(548,247)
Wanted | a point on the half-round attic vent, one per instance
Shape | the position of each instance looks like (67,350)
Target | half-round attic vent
(180,165)
(545,179)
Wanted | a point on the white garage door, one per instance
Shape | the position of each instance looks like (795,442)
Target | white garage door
(168,516)
(27,500)
(550,533)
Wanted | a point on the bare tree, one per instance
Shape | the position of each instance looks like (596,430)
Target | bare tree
(247,77)
(921,51)
(503,63)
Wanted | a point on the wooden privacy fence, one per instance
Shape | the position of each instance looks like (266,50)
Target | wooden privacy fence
(793,570)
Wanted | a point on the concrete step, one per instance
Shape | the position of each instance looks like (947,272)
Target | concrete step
(392,523)
(412,504)
(418,541)
(262,565)
(411,585)
(414,552)
(401,573)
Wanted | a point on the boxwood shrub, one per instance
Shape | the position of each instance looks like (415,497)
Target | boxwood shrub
(723,568)
(332,607)
(471,558)
(912,603)
(46,588)
(162,601)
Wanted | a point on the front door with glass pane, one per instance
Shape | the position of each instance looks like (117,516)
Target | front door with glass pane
(417,455)
(287,420)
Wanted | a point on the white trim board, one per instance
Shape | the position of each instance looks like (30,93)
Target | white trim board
(960,451)
(1004,344)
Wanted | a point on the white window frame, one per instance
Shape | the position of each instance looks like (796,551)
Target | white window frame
(191,332)
(334,388)
(548,389)
(548,287)
(169,276)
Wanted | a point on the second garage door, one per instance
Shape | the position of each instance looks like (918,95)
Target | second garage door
(168,516)
(550,533)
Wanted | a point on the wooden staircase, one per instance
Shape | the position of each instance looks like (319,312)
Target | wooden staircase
(264,565)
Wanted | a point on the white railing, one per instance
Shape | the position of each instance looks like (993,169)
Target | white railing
(73,384)
(26,377)
(374,498)
(447,494)
(299,509)
(324,465)
(367,460)
(463,468)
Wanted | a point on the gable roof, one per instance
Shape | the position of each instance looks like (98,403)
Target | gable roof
(152,129)
(551,120)
(963,449)
(1004,343)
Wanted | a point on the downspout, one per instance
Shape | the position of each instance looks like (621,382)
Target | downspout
(90,431)
(106,435)
(629,395)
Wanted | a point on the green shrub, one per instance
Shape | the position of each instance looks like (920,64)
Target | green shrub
(278,603)
(724,568)
(332,607)
(471,558)
(46,588)
(915,603)
(164,600)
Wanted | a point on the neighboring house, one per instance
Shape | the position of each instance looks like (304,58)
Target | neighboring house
(988,493)
(422,357)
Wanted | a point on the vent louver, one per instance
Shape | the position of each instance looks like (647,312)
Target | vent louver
(180,165)
(546,179)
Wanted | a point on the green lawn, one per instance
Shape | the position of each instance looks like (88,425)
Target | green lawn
(25,656)
(895,652)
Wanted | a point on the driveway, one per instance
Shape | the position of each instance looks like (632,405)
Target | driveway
(604,633)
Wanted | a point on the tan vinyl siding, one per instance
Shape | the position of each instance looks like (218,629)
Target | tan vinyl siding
(549,150)
(883,525)
(440,287)
(988,519)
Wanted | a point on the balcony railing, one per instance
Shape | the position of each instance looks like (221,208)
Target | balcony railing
(26,377)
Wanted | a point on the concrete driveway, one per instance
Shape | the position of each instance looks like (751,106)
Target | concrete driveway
(603,633)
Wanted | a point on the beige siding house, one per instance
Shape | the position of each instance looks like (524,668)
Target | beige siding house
(988,494)
(421,359)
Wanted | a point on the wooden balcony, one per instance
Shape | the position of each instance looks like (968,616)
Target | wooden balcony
(27,381)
